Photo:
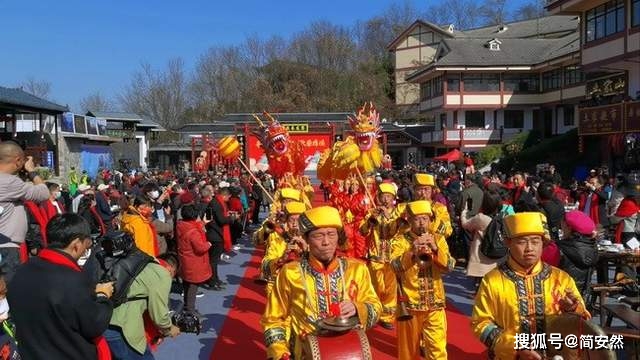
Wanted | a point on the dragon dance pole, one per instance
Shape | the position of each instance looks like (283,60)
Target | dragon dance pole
(366,189)
(256,179)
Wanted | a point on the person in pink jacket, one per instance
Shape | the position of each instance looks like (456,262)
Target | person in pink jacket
(193,253)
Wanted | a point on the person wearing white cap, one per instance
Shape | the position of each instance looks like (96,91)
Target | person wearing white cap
(102,205)
(82,190)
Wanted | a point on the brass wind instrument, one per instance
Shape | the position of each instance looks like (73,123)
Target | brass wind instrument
(293,252)
(403,311)
(423,253)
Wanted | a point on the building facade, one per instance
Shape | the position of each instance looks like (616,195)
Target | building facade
(135,131)
(610,56)
(484,85)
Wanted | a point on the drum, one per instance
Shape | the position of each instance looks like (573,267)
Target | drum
(566,324)
(349,345)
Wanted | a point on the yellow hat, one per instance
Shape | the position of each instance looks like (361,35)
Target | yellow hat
(387,188)
(420,207)
(526,223)
(424,180)
(289,193)
(294,208)
(320,217)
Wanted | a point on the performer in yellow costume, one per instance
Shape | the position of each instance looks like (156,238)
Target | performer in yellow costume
(284,246)
(379,227)
(420,257)
(320,285)
(423,185)
(274,219)
(518,295)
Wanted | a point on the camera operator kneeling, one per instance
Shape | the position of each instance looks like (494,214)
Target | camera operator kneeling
(141,296)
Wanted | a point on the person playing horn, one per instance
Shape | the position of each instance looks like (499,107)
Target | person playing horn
(282,197)
(319,286)
(283,247)
(519,294)
(380,226)
(424,186)
(420,257)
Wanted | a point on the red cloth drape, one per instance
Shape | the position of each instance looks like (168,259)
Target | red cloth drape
(56,258)
(40,217)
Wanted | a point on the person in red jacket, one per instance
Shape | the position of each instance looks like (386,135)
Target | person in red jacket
(235,206)
(193,254)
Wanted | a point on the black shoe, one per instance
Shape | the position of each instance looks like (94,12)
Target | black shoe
(221,283)
(386,325)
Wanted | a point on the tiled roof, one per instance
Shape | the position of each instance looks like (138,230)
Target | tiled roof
(21,98)
(290,117)
(541,27)
(512,51)
(115,115)
(201,128)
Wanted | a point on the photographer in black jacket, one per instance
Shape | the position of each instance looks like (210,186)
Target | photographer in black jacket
(58,312)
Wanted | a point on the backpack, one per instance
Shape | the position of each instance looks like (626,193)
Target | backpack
(492,244)
(123,270)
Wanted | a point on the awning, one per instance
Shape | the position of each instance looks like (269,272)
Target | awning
(453,155)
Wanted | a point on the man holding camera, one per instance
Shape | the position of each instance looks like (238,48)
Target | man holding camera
(57,311)
(13,192)
(420,257)
(142,289)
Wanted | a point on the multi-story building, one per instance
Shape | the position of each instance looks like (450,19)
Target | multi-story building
(483,85)
(610,56)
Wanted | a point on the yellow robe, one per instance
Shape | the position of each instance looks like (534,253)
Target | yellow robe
(379,253)
(276,248)
(304,291)
(425,298)
(510,301)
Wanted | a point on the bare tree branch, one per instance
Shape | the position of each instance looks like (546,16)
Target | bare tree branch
(160,95)
(95,102)
(39,88)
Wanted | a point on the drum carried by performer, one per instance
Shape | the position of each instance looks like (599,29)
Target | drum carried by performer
(323,298)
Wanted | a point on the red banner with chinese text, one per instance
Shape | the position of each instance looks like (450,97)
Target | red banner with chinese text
(314,145)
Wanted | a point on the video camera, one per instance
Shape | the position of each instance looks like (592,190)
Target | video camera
(187,321)
(117,243)
(114,244)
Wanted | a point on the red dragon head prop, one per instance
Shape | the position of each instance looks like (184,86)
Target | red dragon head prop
(273,137)
(366,125)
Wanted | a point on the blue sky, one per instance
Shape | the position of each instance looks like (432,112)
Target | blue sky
(84,46)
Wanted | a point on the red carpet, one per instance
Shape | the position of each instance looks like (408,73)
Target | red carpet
(241,334)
